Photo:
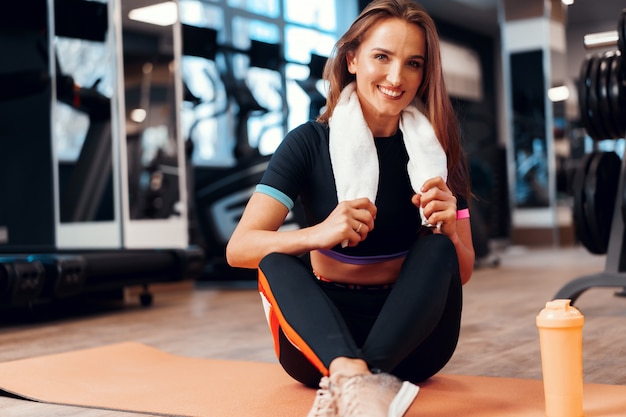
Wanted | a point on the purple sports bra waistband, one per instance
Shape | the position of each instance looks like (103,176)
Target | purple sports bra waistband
(361,260)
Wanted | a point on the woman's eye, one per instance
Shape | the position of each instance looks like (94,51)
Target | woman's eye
(380,57)
(415,64)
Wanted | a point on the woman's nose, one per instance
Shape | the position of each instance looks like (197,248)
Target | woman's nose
(394,76)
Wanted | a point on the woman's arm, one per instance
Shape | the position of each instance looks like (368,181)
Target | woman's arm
(464,248)
(257,234)
(440,206)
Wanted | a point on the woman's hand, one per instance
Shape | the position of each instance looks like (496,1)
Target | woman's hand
(348,224)
(439,205)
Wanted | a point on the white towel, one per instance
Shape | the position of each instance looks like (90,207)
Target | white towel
(353,153)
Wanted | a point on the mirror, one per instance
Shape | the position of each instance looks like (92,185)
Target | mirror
(82,116)
(529,129)
(151,111)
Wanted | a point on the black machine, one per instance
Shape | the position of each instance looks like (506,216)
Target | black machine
(599,180)
(221,193)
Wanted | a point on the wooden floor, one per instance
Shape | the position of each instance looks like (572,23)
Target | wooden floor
(498,338)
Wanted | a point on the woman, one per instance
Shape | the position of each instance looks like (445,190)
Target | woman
(366,300)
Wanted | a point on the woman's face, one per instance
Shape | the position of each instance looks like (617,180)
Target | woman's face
(389,68)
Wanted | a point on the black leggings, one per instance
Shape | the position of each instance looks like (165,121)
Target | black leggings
(410,330)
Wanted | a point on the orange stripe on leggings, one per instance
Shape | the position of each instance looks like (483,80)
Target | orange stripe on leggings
(272,321)
(291,334)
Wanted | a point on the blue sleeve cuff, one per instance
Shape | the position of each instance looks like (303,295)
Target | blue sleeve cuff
(274,193)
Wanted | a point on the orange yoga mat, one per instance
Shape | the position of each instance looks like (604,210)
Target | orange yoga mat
(138,378)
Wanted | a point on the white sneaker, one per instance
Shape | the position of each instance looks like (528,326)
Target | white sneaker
(324,404)
(372,395)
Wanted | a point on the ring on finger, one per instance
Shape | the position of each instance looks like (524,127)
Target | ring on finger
(358,229)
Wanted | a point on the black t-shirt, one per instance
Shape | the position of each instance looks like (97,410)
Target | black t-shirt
(301,167)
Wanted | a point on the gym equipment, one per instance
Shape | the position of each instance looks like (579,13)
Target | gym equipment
(35,267)
(595,192)
(602,97)
(82,196)
(602,89)
(581,227)
(202,43)
(599,184)
(600,195)
(583,93)
(617,68)
(221,193)
(21,281)
(44,278)
(65,274)
(316,69)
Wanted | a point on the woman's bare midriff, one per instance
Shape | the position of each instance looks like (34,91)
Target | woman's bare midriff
(372,274)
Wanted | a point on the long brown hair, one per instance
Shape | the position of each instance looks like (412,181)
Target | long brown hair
(431,98)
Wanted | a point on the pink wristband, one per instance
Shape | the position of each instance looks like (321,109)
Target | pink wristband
(462,214)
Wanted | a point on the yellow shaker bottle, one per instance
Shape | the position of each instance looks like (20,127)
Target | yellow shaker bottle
(561,340)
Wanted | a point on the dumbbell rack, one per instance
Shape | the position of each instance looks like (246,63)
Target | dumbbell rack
(614,274)
(600,199)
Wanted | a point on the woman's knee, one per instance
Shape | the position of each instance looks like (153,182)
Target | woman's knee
(436,250)
(278,266)
(272,260)
(436,244)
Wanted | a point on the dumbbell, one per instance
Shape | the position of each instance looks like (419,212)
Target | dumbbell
(594,188)
(602,85)
(602,95)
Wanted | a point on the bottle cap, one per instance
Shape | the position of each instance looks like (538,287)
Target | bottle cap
(559,313)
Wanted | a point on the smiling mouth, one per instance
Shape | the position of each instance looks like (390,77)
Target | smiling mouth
(390,92)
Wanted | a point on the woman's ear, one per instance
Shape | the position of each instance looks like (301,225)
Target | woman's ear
(351,62)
